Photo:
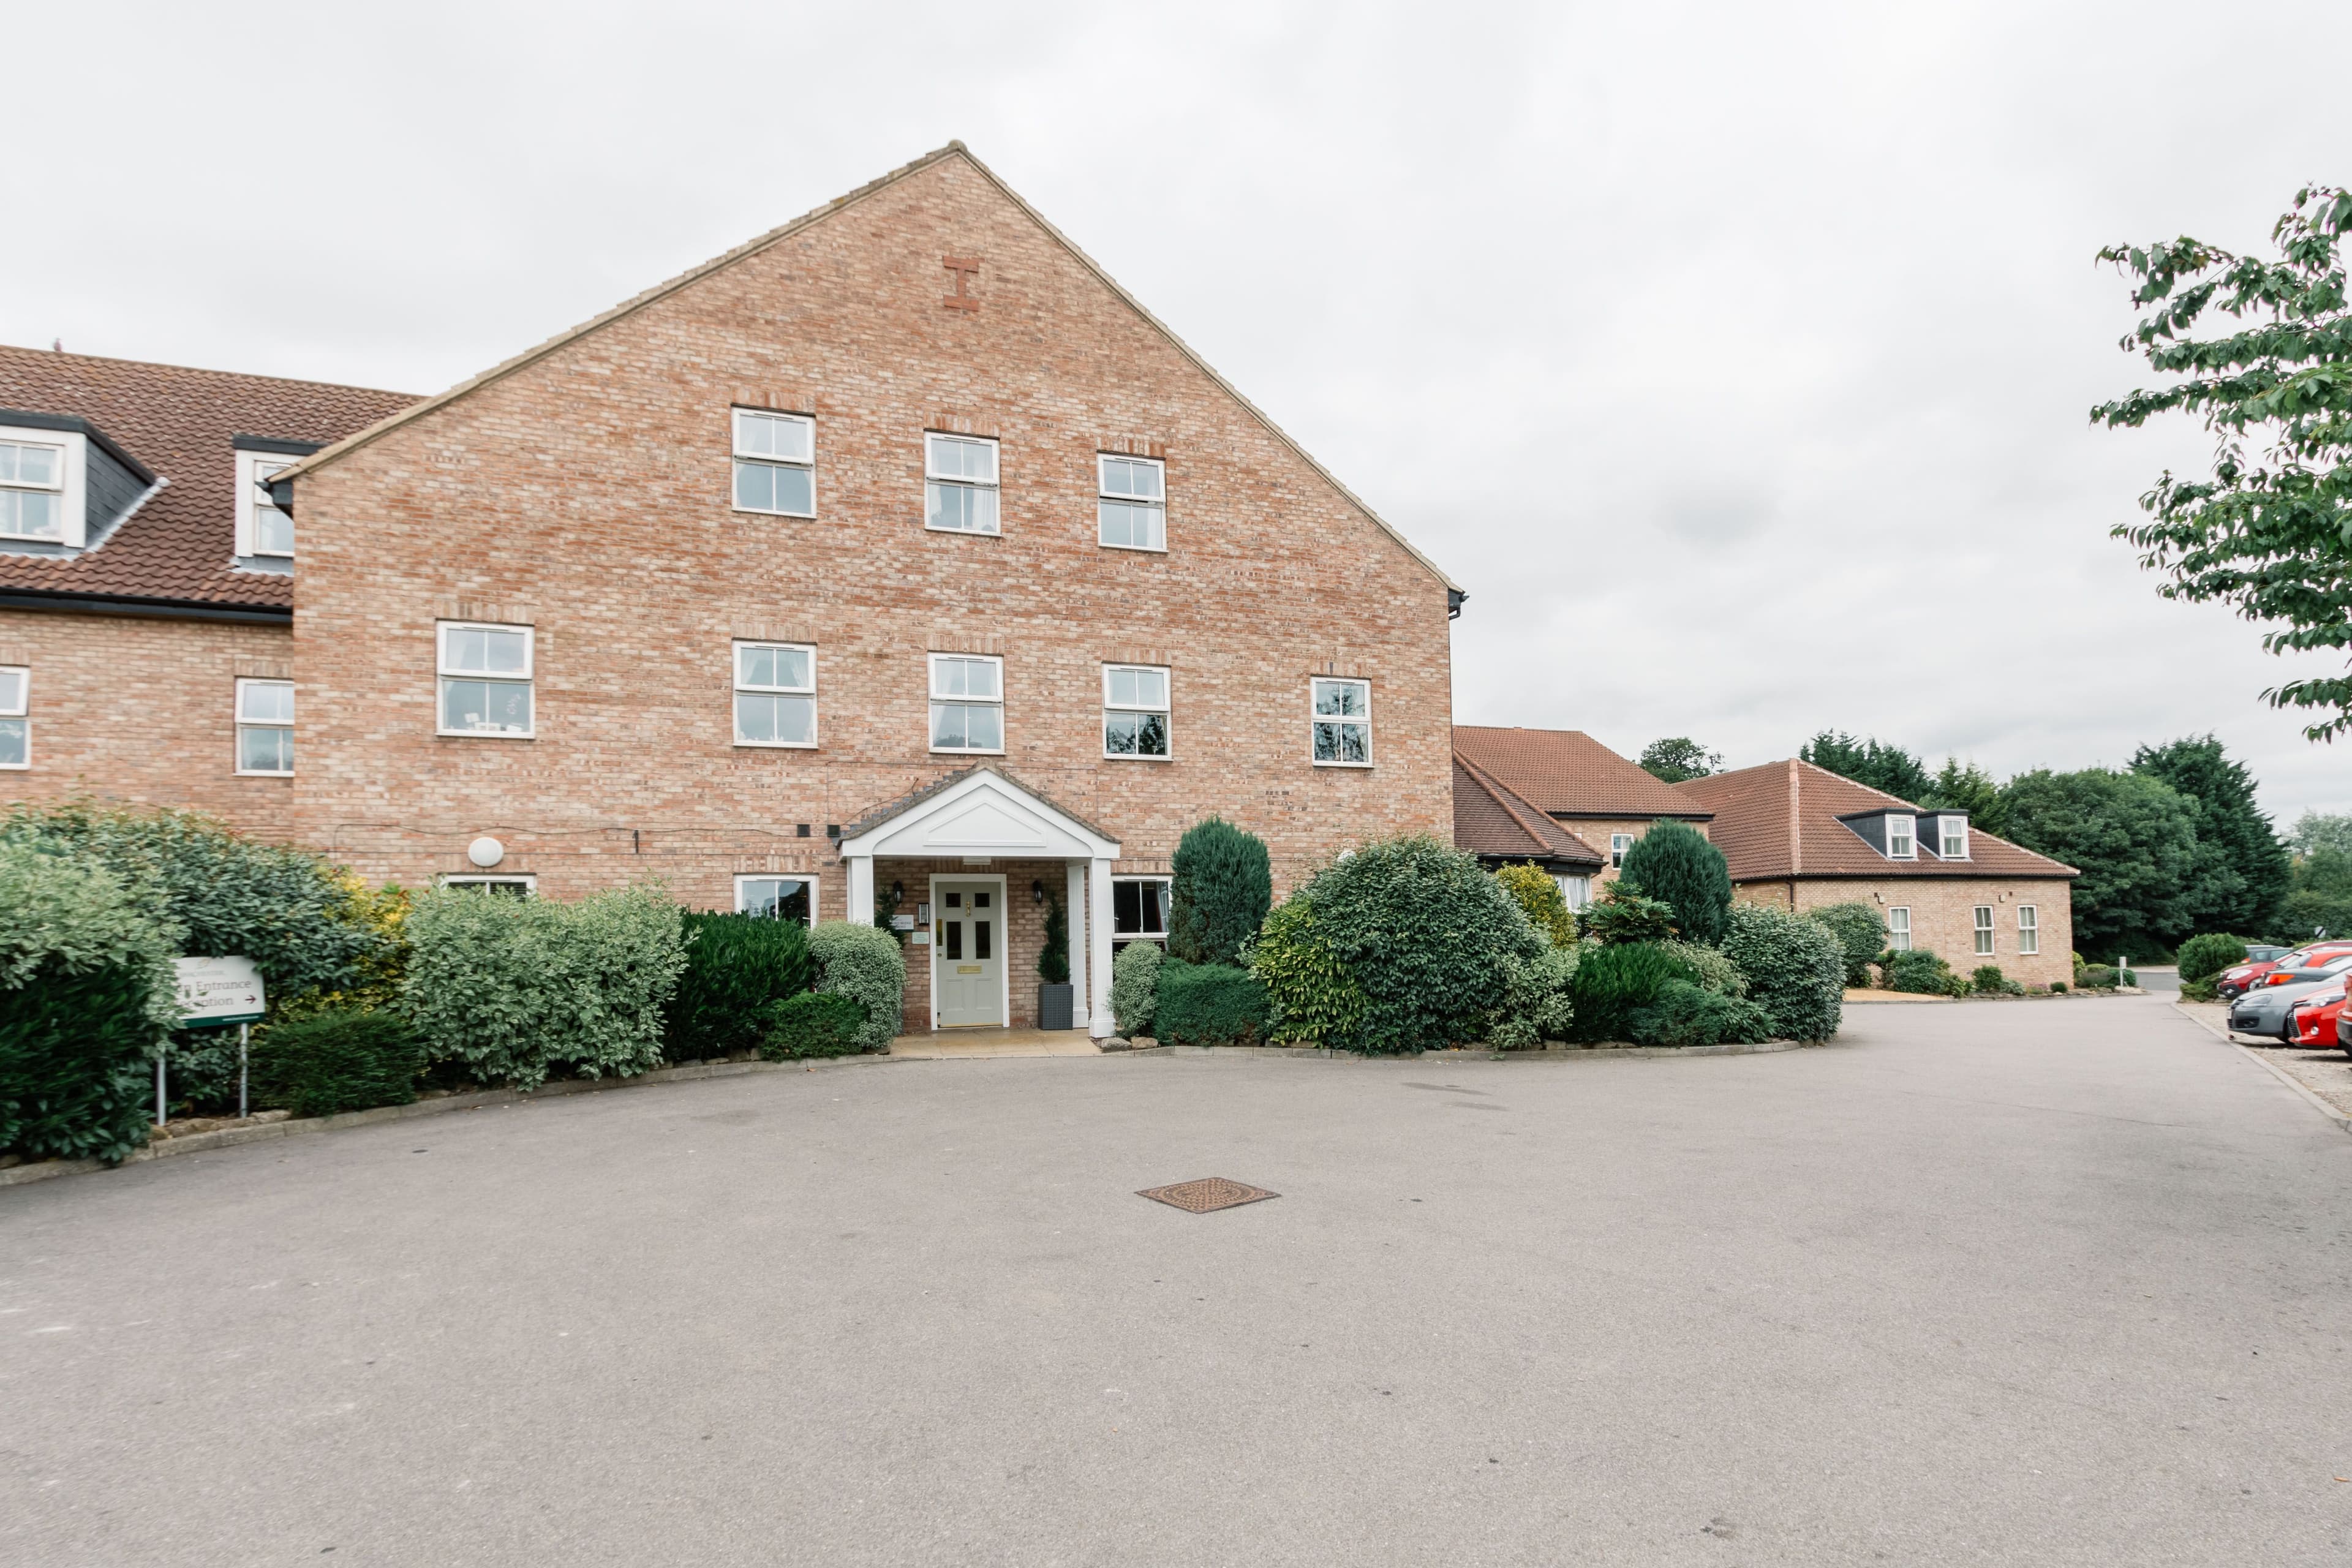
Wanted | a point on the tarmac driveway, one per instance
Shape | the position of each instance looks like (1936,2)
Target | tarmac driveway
(2002,1282)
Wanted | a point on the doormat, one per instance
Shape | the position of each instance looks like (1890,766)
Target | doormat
(1207,1194)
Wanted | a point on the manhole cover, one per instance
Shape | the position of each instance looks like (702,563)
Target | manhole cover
(1208,1193)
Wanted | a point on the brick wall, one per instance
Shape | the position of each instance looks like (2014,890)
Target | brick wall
(142,711)
(588,494)
(1943,916)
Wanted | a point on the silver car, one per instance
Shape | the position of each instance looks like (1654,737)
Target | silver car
(2269,1009)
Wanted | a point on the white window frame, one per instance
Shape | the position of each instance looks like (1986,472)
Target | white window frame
(809,876)
(1158,508)
(17,709)
(1898,933)
(250,501)
(1576,890)
(735,670)
(1944,829)
(1168,904)
(73,520)
(2029,931)
(526,880)
(1166,709)
(994,485)
(245,684)
(735,423)
(443,674)
(932,666)
(1314,685)
(1910,837)
(1618,844)
(1980,925)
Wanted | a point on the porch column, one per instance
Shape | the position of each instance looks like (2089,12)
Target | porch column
(1076,902)
(861,889)
(1098,1018)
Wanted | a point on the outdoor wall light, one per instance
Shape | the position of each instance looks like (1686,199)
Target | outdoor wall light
(485,852)
(1037,890)
(898,891)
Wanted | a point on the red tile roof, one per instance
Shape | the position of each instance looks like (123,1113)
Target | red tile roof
(178,423)
(1567,772)
(1780,820)
(1489,818)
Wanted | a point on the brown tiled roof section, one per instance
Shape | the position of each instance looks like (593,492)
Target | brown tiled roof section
(1570,773)
(178,422)
(1780,820)
(1489,818)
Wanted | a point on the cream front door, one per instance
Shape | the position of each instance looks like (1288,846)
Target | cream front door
(968,953)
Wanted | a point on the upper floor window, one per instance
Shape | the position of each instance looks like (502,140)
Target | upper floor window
(265,727)
(1343,723)
(1135,710)
(967,702)
(777,898)
(1618,844)
(1952,837)
(486,680)
(1131,506)
(775,458)
(1900,846)
(263,526)
(960,484)
(15,728)
(775,694)
(32,490)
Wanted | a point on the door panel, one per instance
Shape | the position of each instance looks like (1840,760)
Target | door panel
(967,954)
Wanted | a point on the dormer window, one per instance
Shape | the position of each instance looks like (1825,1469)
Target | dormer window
(265,530)
(1952,837)
(1900,843)
(32,490)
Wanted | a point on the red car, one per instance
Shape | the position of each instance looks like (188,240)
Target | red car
(2237,979)
(2319,1019)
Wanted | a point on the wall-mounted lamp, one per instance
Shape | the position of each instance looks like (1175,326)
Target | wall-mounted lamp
(1038,890)
(897,894)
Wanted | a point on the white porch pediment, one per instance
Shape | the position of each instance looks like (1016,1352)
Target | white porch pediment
(983,813)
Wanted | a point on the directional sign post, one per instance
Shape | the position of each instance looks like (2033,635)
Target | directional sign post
(213,992)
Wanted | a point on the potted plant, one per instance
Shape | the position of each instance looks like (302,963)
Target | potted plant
(1057,997)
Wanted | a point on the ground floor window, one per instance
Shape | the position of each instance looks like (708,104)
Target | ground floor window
(1138,911)
(265,727)
(512,887)
(1898,930)
(1984,930)
(2029,929)
(777,898)
(1576,890)
(15,728)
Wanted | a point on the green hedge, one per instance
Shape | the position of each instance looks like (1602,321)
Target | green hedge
(1716,971)
(1795,969)
(1919,972)
(868,967)
(736,967)
(1989,980)
(336,1061)
(1861,931)
(1613,983)
(1208,1005)
(1685,1015)
(813,1023)
(1221,883)
(1312,996)
(1675,864)
(2203,957)
(1538,1000)
(514,988)
(1135,987)
(1620,913)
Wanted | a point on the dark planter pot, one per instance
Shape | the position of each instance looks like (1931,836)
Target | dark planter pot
(1054,1004)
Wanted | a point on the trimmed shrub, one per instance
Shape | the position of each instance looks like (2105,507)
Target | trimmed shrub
(1686,1014)
(1795,969)
(736,967)
(813,1023)
(1053,962)
(85,997)
(2096,977)
(1221,886)
(1541,899)
(1135,987)
(1613,983)
(513,988)
(1208,1005)
(1861,931)
(1311,997)
(1539,1001)
(867,966)
(1919,972)
(1676,865)
(1716,973)
(1428,937)
(336,1061)
(1989,980)
(2190,991)
(2203,957)
(1621,914)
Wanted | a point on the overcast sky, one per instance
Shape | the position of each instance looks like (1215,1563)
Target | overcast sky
(1734,358)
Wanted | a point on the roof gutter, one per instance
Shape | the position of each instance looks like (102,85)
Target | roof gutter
(150,609)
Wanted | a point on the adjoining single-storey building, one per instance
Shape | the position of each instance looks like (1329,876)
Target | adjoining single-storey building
(1801,837)
(1502,827)
(1604,800)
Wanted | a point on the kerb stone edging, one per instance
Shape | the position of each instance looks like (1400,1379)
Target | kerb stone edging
(230,1137)
(2280,1073)
(1547,1054)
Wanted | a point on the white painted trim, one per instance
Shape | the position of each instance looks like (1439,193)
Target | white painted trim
(1370,750)
(528,677)
(529,880)
(20,711)
(241,724)
(1905,911)
(73,524)
(1004,948)
(1157,936)
(1157,503)
(2029,933)
(1167,712)
(931,670)
(1099,1020)
(766,459)
(735,673)
(1075,903)
(858,907)
(249,500)
(1941,818)
(1912,834)
(1982,928)
(808,876)
(1079,838)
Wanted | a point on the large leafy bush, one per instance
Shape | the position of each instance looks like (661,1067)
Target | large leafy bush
(336,1061)
(737,967)
(1208,1005)
(1538,1000)
(1795,969)
(1621,914)
(1429,937)
(867,966)
(1541,899)
(514,988)
(1686,1014)
(1613,983)
(1676,865)
(1919,972)
(1714,972)
(85,996)
(1135,987)
(2203,957)
(813,1023)
(1221,884)
(1311,993)
(1861,931)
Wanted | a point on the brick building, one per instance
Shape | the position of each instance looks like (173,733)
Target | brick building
(1801,837)
(1604,802)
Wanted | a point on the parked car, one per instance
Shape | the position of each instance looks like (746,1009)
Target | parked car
(2262,951)
(2236,981)
(2269,1008)
(2315,1019)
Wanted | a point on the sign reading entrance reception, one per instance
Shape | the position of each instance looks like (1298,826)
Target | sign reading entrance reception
(219,991)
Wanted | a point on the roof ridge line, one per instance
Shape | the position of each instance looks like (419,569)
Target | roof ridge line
(199,370)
